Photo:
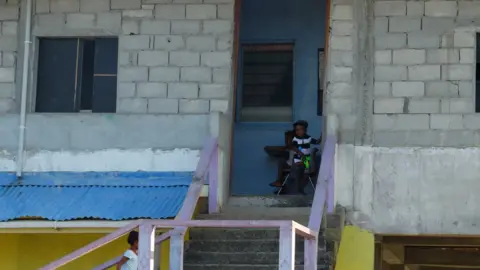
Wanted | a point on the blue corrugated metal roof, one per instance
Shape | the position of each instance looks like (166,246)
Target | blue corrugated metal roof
(109,196)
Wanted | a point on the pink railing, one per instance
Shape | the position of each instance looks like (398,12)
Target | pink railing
(323,198)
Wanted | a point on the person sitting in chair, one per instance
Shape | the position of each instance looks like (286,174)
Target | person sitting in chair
(284,156)
(301,145)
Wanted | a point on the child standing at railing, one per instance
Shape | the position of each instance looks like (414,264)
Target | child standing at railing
(129,260)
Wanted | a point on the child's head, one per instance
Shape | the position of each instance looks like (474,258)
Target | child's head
(133,239)
(300,127)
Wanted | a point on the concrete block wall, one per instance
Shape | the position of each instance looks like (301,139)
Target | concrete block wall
(174,55)
(424,73)
(9,15)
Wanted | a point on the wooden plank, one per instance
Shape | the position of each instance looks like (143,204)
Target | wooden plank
(378,257)
(205,157)
(287,248)
(448,241)
(213,206)
(445,268)
(393,253)
(177,250)
(357,250)
(311,254)
(146,246)
(442,256)
(92,246)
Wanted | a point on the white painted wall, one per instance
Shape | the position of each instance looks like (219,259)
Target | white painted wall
(176,160)
(411,190)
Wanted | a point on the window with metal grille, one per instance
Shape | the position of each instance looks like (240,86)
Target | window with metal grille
(267,83)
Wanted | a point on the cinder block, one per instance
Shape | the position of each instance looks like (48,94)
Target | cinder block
(132,105)
(415,8)
(185,27)
(217,27)
(342,28)
(162,105)
(218,1)
(153,58)
(341,58)
(446,122)
(225,12)
(468,9)
(390,8)
(381,25)
(222,75)
(126,4)
(457,72)
(183,90)
(441,8)
(390,41)
(94,5)
(7,90)
(130,27)
(404,24)
(467,56)
(424,105)
(9,28)
(341,43)
(388,105)
(341,74)
(471,121)
(390,73)
(150,90)
(382,89)
(342,106)
(164,74)
(458,105)
(169,43)
(384,121)
(214,91)
(7,105)
(134,42)
(218,105)
(443,56)
(196,74)
(412,122)
(216,59)
(340,89)
(201,12)
(465,89)
(42,6)
(409,57)
(64,6)
(80,21)
(464,39)
(437,25)
(132,74)
(342,12)
(170,12)
(423,40)
(8,43)
(8,59)
(424,73)
(137,14)
(184,59)
(442,89)
(201,43)
(126,90)
(408,89)
(110,21)
(7,75)
(224,42)
(154,27)
(189,106)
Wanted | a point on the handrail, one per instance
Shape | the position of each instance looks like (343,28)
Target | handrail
(185,214)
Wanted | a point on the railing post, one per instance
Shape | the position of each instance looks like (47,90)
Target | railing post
(213,183)
(176,249)
(146,246)
(311,254)
(287,248)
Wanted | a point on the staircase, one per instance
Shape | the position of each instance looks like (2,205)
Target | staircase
(245,249)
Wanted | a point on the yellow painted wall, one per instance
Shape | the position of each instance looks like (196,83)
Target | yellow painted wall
(357,250)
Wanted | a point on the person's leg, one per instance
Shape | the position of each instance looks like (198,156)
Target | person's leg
(282,164)
(297,173)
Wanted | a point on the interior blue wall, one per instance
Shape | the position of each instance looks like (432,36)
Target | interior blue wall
(265,21)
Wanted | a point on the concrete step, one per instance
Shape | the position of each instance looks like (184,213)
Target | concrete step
(271,201)
(257,245)
(189,266)
(200,257)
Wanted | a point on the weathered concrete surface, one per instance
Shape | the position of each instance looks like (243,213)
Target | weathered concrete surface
(411,190)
